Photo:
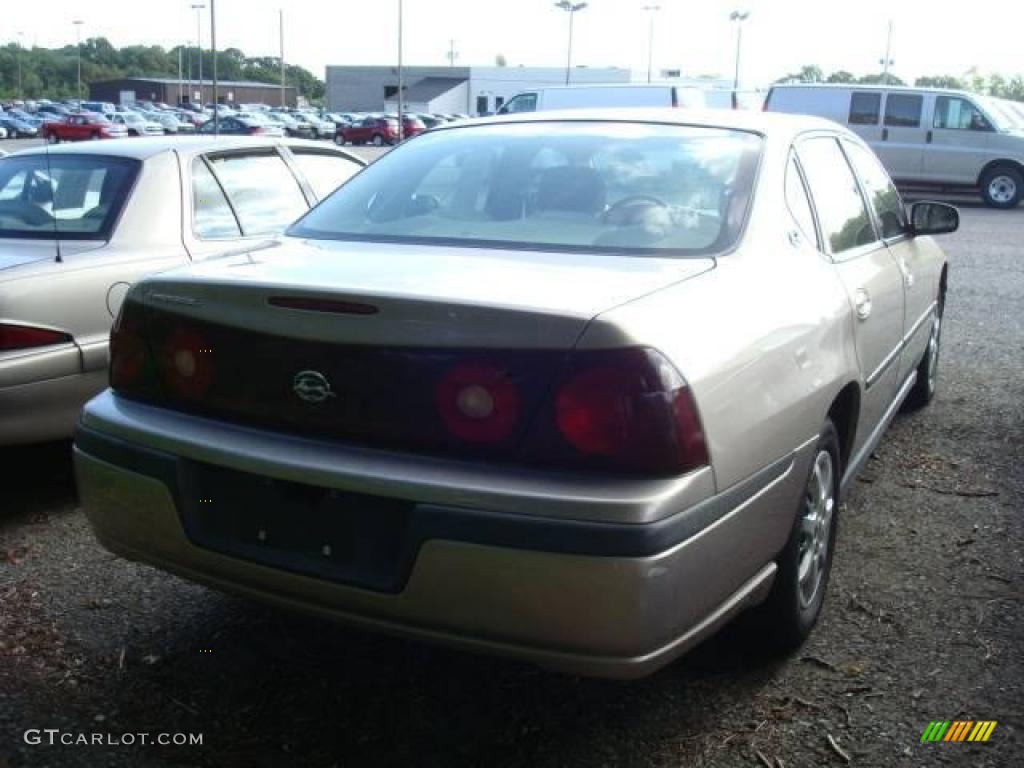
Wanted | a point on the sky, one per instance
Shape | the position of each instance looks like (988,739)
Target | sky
(695,36)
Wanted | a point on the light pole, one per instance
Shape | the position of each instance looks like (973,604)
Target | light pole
(198,7)
(401,98)
(452,53)
(213,50)
(21,55)
(78,44)
(280,18)
(887,62)
(739,18)
(571,9)
(651,10)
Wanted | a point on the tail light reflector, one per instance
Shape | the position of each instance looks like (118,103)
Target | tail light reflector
(27,337)
(478,402)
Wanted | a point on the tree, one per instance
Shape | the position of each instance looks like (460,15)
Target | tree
(881,78)
(841,76)
(940,81)
(500,60)
(810,73)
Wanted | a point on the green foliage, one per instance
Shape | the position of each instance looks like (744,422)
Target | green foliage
(994,85)
(842,76)
(53,72)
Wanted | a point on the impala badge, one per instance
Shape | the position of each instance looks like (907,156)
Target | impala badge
(312,387)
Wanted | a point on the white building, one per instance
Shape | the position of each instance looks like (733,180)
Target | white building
(470,90)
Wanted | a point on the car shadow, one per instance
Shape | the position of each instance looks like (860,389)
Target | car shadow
(37,480)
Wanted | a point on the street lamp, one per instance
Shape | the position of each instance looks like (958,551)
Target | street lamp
(401,96)
(651,10)
(213,51)
(78,43)
(571,9)
(739,18)
(21,55)
(198,7)
(887,62)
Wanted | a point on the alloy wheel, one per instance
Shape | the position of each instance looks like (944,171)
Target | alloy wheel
(816,528)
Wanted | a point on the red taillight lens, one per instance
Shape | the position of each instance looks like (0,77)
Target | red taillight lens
(131,365)
(622,410)
(186,363)
(479,402)
(27,337)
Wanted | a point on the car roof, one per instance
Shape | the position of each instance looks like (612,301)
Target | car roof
(764,123)
(144,147)
(875,87)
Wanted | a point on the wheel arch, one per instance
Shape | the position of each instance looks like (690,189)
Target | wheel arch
(845,413)
(998,163)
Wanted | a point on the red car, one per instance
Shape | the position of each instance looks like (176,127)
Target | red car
(81,126)
(378,130)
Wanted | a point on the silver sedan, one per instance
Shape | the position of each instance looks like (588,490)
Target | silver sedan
(79,224)
(577,388)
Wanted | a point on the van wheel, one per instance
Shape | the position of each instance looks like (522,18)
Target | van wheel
(786,618)
(1002,186)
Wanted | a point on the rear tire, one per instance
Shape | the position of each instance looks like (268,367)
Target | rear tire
(1002,186)
(786,618)
(378,140)
(52,138)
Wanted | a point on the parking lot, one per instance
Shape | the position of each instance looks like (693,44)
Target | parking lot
(923,621)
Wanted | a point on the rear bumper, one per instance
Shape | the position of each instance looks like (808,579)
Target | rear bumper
(616,600)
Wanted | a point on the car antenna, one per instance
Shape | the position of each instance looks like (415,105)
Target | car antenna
(53,203)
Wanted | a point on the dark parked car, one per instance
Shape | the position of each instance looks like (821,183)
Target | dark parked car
(242,126)
(18,128)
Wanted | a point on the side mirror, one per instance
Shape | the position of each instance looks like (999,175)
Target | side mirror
(933,218)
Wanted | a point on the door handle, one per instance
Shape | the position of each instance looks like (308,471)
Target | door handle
(862,304)
(885,134)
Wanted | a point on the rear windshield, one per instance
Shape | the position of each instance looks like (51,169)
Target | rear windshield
(574,186)
(76,196)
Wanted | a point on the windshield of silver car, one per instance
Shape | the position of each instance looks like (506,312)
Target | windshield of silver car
(75,197)
(619,187)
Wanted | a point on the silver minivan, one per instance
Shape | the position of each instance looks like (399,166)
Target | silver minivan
(923,136)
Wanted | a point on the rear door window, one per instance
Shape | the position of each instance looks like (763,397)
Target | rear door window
(798,203)
(903,110)
(844,217)
(325,171)
(262,190)
(212,217)
(865,108)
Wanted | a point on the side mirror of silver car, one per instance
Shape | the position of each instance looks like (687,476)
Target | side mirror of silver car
(927,218)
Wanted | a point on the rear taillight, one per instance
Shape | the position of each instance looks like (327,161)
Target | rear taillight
(185,363)
(27,337)
(131,366)
(625,410)
(256,131)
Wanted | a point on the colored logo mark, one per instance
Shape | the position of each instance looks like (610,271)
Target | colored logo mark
(958,730)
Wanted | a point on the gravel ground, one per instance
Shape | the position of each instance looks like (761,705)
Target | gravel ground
(923,622)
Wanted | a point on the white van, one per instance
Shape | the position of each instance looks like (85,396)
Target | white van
(617,95)
(924,136)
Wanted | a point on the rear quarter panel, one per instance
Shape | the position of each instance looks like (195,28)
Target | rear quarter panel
(764,339)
